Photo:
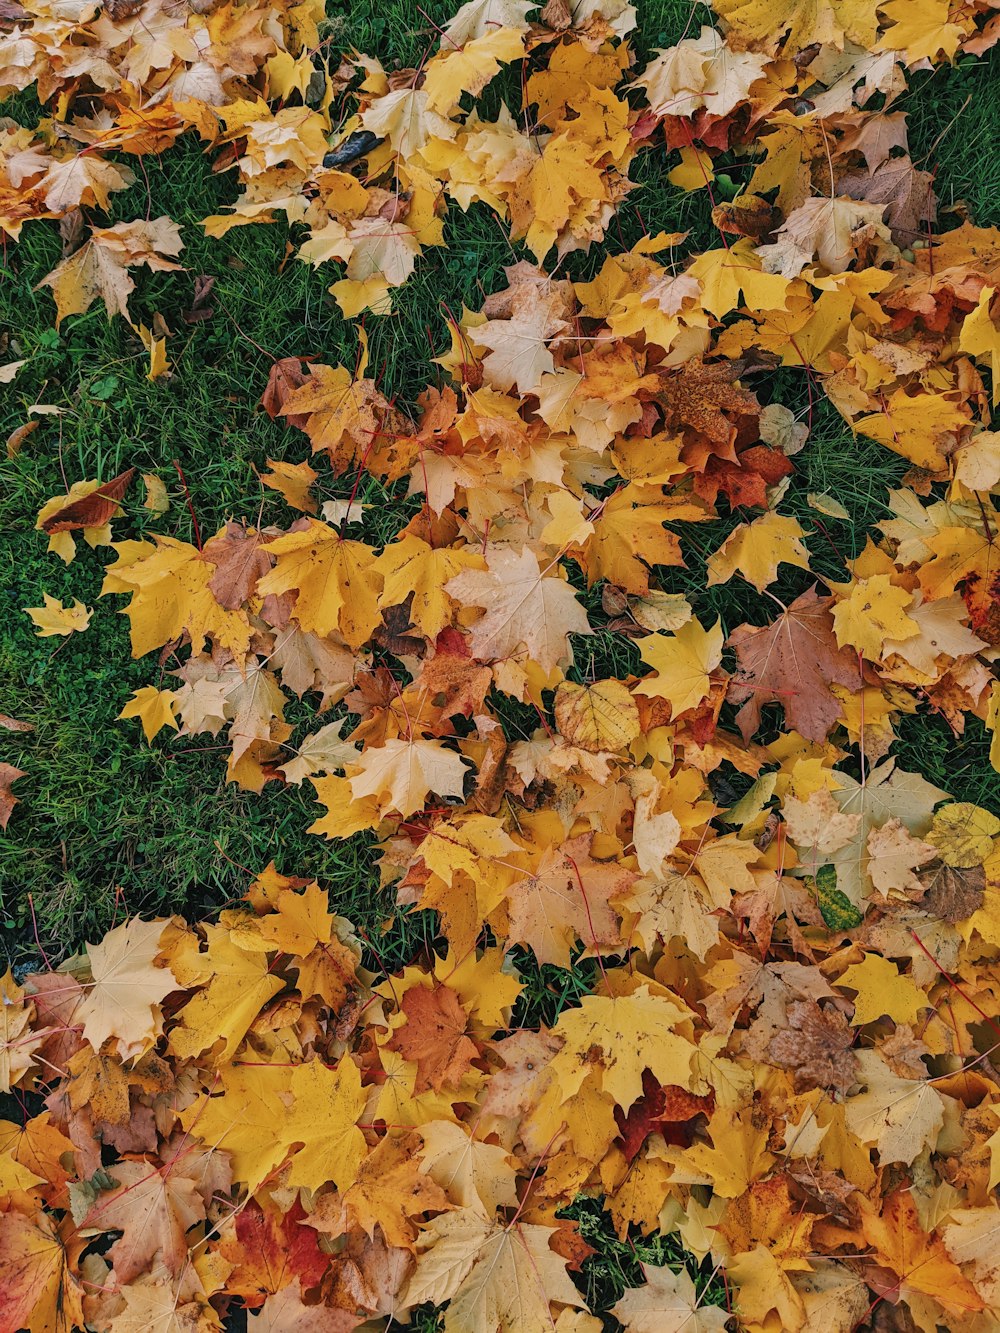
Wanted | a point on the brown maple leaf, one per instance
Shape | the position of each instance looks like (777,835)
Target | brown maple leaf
(698,395)
(815,1046)
(953,893)
(434,1037)
(283,379)
(93,510)
(908,196)
(8,776)
(239,563)
(793,661)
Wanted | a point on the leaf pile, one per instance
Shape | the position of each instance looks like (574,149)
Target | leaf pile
(785,1055)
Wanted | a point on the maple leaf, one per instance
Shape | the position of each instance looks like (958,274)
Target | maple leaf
(567,898)
(404,117)
(412,566)
(284,1309)
(239,562)
(472,1174)
(626,534)
(899,1116)
(794,661)
(454,72)
(100,267)
(698,395)
(682,661)
(322,1125)
(518,348)
(433,1037)
(270,1250)
(668,1303)
(525,609)
(621,1036)
(293,481)
(757,549)
(154,1210)
(921,1263)
(494,1277)
(123,999)
(236,1115)
(816,1047)
(337,412)
(919,427)
(37,1286)
(54,618)
(238,985)
(963,834)
(882,991)
(874,611)
(906,195)
(335,583)
(478,18)
(154,708)
(322,752)
(823,228)
(602,716)
(17,1045)
(819,822)
(88,507)
(8,776)
(390,1190)
(170,587)
(893,855)
(399,774)
(801,21)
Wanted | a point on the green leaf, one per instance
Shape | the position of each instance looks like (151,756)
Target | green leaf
(836,908)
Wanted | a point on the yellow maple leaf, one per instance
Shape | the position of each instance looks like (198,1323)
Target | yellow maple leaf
(335,582)
(883,992)
(54,618)
(302,921)
(827,22)
(615,1038)
(682,662)
(400,773)
(322,1127)
(293,481)
(756,549)
(154,708)
(412,566)
(455,71)
(217,1017)
(237,1114)
(963,834)
(602,716)
(917,426)
(171,594)
(123,998)
(920,29)
(874,611)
